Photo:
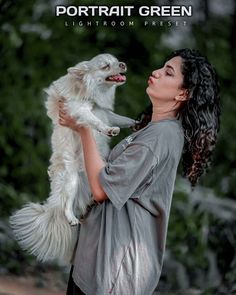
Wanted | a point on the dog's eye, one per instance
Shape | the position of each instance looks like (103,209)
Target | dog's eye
(106,67)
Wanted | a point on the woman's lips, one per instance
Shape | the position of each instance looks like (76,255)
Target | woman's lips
(150,80)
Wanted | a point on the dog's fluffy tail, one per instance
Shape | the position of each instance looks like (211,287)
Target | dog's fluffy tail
(44,232)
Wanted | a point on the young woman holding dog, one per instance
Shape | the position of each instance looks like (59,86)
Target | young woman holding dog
(122,239)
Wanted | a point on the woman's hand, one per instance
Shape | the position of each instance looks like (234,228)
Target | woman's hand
(66,120)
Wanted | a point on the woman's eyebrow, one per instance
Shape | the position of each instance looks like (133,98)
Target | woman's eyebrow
(170,67)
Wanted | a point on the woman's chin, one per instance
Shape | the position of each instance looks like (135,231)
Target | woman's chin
(148,90)
(149,93)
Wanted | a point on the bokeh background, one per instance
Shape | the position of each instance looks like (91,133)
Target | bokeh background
(36,48)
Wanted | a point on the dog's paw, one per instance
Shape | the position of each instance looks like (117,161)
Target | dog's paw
(113,131)
(74,221)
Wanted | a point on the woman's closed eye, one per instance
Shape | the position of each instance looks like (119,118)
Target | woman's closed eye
(168,73)
(169,70)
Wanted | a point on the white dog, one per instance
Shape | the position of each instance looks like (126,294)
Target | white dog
(88,91)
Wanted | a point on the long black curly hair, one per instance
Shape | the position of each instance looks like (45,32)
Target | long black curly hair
(200,115)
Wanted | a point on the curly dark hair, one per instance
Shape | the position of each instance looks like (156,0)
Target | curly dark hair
(200,115)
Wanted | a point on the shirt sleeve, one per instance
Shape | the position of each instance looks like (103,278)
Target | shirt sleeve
(121,177)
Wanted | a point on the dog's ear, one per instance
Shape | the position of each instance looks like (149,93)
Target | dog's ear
(78,71)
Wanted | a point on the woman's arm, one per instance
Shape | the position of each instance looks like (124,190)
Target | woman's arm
(92,158)
(93,163)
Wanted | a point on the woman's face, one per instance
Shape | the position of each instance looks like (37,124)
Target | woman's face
(165,84)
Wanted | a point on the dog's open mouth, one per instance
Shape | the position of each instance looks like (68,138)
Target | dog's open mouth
(116,78)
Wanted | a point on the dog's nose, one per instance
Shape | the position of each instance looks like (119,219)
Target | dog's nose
(122,65)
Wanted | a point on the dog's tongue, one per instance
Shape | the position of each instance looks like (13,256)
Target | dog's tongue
(119,78)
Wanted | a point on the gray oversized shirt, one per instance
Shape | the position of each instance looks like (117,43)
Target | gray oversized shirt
(121,242)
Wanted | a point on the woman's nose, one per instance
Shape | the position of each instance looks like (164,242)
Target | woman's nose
(156,73)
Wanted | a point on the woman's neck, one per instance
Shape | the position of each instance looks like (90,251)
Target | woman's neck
(160,113)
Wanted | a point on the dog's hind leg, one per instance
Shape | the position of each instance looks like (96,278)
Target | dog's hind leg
(71,189)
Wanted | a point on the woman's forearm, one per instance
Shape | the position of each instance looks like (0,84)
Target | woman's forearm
(93,163)
(92,158)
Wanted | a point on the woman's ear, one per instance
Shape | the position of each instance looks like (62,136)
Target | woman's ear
(182,96)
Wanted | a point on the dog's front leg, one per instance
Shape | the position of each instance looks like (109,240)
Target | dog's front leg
(121,121)
(85,116)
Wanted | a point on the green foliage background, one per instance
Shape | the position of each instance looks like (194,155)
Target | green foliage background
(37,48)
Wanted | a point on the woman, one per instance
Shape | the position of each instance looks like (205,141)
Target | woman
(122,240)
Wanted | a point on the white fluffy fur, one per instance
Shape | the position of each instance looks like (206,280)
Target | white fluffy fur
(49,231)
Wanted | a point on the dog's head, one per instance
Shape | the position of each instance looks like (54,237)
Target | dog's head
(102,70)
